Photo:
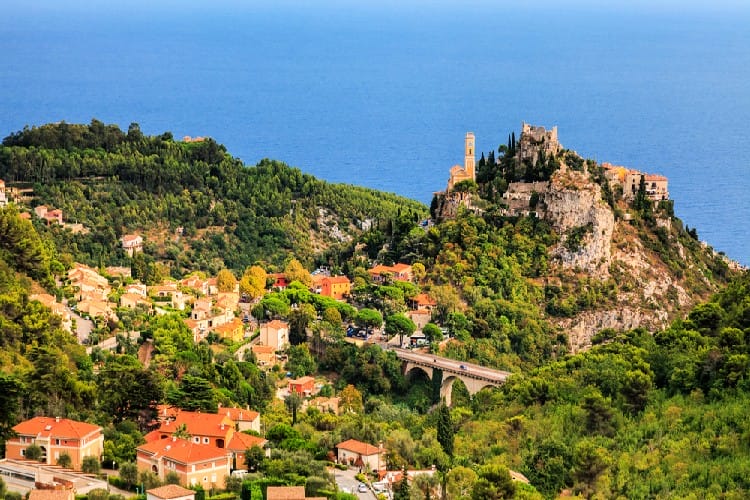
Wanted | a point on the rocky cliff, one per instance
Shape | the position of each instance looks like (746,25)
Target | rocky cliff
(656,270)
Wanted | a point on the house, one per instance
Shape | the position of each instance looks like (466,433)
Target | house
(325,405)
(54,216)
(213,286)
(233,331)
(304,386)
(196,283)
(398,272)
(279,280)
(393,477)
(163,290)
(56,436)
(244,418)
(203,464)
(228,301)
(423,301)
(204,428)
(132,243)
(137,288)
(265,355)
(170,492)
(336,287)
(180,301)
(132,300)
(242,442)
(95,308)
(198,328)
(275,334)
(51,495)
(359,454)
(3,199)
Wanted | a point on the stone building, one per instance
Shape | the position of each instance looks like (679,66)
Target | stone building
(536,140)
(467,173)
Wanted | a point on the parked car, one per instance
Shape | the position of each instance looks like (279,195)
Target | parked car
(362,488)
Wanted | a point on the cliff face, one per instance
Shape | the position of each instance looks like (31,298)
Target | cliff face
(595,246)
(574,206)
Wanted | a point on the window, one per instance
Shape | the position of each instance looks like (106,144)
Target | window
(205,478)
(23,452)
(57,442)
(205,440)
(196,439)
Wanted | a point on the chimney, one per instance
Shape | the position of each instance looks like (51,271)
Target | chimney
(57,419)
(222,426)
(174,439)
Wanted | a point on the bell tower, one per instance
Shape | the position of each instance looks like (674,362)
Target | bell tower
(469,155)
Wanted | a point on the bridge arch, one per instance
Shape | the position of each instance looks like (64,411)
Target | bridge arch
(411,370)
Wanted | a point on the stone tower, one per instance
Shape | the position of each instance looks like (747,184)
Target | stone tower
(469,156)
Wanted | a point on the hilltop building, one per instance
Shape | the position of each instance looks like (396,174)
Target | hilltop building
(657,188)
(537,140)
(467,173)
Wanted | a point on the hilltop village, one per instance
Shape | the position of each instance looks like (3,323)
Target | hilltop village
(407,362)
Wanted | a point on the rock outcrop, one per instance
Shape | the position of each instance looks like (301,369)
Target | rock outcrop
(573,205)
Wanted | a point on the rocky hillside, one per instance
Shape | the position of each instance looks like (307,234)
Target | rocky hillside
(616,261)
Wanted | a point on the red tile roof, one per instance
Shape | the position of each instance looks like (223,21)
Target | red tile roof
(358,447)
(263,349)
(240,414)
(170,491)
(57,428)
(183,451)
(199,424)
(337,279)
(277,324)
(51,495)
(241,442)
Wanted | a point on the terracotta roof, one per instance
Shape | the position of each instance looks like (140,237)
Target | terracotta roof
(229,327)
(285,493)
(424,299)
(191,323)
(338,279)
(199,424)
(654,177)
(129,238)
(358,447)
(58,428)
(51,495)
(240,414)
(263,349)
(302,380)
(241,442)
(380,269)
(183,451)
(277,324)
(153,436)
(170,491)
(400,267)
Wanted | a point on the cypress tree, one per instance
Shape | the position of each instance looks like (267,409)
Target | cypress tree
(445,431)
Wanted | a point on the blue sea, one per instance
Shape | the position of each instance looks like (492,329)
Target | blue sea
(381,93)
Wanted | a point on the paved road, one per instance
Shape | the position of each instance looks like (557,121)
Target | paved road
(347,482)
(459,367)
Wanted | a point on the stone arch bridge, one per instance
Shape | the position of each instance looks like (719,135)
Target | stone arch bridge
(474,377)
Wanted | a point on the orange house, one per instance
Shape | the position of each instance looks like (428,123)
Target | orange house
(335,286)
(240,443)
(399,272)
(193,463)
(265,355)
(304,386)
(204,428)
(56,436)
(245,419)
(234,330)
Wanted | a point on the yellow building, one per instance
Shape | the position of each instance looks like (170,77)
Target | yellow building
(458,174)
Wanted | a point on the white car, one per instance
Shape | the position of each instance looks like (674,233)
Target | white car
(362,488)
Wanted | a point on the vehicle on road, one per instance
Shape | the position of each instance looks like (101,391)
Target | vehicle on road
(463,367)
(362,488)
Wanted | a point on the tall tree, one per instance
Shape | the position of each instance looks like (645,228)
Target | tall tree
(253,282)
(445,430)
(226,281)
(295,271)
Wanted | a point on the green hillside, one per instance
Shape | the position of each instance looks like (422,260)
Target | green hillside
(229,215)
